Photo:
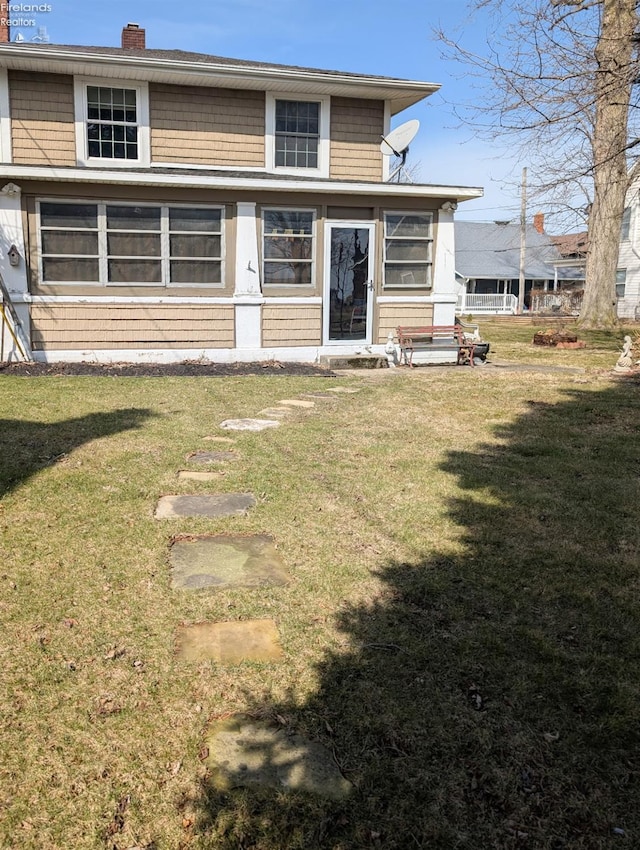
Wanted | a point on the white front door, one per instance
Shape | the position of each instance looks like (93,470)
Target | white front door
(348,285)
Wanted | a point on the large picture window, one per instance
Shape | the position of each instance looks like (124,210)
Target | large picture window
(130,245)
(288,247)
(407,250)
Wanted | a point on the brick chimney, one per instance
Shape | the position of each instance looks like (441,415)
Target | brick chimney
(538,222)
(133,37)
(5,34)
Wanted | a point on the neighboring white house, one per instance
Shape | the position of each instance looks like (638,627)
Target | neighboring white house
(628,273)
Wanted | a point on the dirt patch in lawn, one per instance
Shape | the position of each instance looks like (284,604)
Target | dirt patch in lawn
(187,369)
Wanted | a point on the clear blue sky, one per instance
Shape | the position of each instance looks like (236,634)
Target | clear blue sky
(363,36)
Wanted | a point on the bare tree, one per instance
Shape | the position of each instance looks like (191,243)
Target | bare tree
(559,79)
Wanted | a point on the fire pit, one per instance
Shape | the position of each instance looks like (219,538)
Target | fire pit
(557,339)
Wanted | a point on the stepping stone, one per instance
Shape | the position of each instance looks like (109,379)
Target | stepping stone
(213,561)
(245,753)
(275,412)
(344,390)
(194,475)
(215,505)
(229,643)
(297,402)
(211,457)
(219,439)
(249,424)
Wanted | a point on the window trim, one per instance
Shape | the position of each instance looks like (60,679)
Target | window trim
(5,118)
(80,85)
(429,239)
(621,283)
(270,134)
(297,287)
(103,257)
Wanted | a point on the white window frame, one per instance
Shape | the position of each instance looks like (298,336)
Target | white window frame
(429,285)
(103,258)
(296,287)
(80,85)
(323,142)
(5,118)
(621,283)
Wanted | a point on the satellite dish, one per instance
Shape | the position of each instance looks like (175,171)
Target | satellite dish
(397,142)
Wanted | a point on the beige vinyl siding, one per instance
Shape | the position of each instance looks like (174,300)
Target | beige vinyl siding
(207,126)
(356,127)
(392,315)
(291,324)
(102,326)
(42,118)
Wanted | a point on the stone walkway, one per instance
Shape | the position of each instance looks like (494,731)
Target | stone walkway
(242,752)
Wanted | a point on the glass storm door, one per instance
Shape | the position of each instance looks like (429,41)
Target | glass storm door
(348,294)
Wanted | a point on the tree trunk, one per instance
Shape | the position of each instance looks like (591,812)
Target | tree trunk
(613,91)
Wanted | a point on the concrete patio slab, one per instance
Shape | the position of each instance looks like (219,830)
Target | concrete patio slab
(216,561)
(248,753)
(249,424)
(211,505)
(229,643)
(204,457)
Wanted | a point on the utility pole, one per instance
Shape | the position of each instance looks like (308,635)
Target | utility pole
(523,241)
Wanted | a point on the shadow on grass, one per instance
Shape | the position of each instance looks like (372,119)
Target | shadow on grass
(490,700)
(27,447)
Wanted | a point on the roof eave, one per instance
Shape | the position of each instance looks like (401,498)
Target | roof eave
(400,93)
(259,183)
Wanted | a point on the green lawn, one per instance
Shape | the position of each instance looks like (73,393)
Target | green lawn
(462,628)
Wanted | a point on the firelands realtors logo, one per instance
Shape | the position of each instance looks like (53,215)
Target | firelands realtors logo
(16,15)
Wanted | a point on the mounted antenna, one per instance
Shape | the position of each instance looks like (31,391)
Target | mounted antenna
(396,143)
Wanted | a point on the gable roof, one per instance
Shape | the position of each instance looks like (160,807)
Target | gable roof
(491,250)
(187,68)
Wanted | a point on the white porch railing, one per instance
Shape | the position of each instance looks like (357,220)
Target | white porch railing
(490,303)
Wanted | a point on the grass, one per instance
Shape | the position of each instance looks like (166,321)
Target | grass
(461,629)
(513,342)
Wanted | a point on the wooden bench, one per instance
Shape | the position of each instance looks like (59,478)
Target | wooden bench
(434,338)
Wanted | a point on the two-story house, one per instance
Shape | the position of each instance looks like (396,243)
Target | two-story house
(164,205)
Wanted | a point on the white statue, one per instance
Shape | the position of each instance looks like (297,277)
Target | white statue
(625,361)
(391,351)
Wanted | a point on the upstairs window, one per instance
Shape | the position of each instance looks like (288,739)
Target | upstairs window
(112,123)
(407,250)
(297,135)
(625,226)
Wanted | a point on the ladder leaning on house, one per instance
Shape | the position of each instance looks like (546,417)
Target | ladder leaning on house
(10,320)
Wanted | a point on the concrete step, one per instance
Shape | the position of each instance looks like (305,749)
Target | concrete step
(354,361)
